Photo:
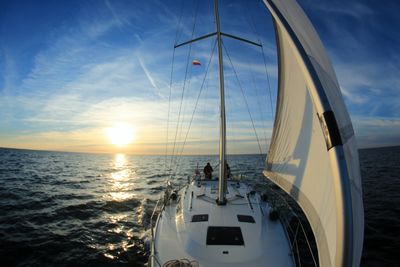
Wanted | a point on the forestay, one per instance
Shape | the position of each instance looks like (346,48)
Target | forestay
(313,155)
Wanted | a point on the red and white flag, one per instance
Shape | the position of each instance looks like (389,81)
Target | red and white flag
(196,62)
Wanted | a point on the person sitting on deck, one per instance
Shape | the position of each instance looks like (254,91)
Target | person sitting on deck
(208,171)
(227,171)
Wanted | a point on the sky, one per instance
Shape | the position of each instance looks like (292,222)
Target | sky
(71,72)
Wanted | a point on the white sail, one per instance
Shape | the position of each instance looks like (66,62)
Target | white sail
(313,154)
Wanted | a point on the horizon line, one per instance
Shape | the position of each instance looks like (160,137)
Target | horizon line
(155,154)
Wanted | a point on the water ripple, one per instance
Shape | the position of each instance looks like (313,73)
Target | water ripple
(73,209)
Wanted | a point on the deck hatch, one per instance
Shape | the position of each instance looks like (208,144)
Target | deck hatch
(200,218)
(221,235)
(246,218)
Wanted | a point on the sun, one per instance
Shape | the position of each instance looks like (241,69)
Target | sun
(121,134)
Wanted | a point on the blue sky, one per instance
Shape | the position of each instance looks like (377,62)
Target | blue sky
(70,70)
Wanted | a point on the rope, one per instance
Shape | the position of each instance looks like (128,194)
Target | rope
(181,263)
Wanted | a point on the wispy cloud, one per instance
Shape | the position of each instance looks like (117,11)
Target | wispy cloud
(148,75)
(108,65)
(354,97)
(370,88)
(115,16)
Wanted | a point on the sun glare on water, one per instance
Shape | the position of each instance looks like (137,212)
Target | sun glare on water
(121,134)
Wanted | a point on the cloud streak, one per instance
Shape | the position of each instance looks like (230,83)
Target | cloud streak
(148,75)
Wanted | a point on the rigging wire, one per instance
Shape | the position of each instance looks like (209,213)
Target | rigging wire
(170,87)
(266,70)
(269,84)
(169,110)
(244,97)
(177,150)
(202,110)
(262,118)
(183,89)
(229,111)
(270,95)
(179,31)
(252,23)
(185,104)
(196,104)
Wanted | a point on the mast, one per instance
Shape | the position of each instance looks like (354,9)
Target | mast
(222,134)
(221,200)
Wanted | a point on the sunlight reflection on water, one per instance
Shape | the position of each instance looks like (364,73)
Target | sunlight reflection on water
(121,179)
(121,182)
(89,209)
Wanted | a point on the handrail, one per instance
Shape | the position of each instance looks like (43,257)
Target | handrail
(152,256)
(160,205)
(308,243)
(151,220)
(285,221)
(156,210)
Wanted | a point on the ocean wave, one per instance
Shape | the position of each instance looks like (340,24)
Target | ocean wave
(67,209)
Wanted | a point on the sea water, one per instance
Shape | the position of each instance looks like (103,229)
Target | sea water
(75,209)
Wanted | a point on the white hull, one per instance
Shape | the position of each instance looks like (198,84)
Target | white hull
(187,228)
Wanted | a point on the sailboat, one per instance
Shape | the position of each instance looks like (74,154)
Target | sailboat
(313,157)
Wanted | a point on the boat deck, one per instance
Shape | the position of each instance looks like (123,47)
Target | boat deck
(240,233)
